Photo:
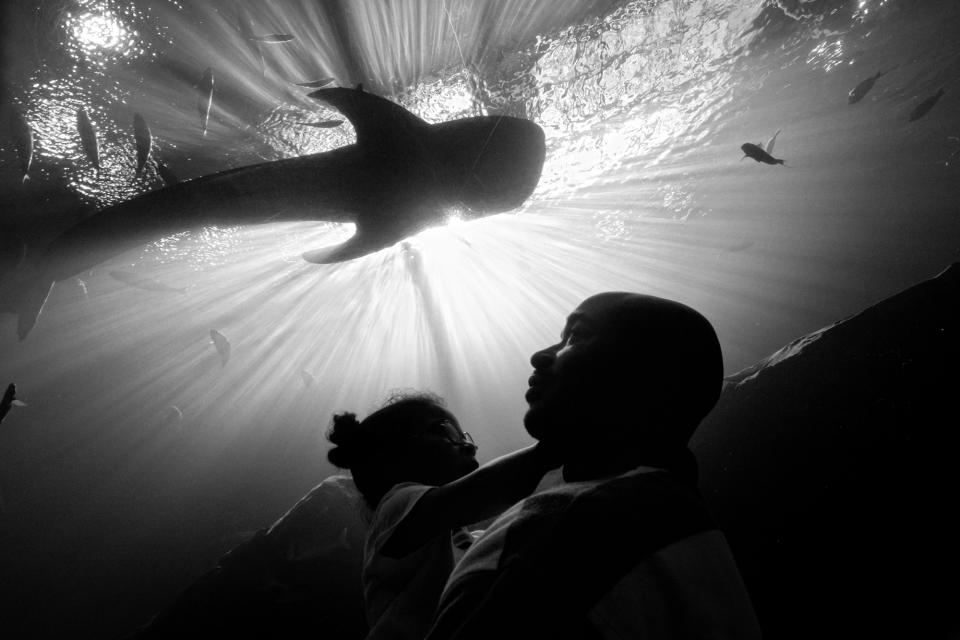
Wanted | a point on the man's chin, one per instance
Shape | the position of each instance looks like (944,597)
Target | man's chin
(536,421)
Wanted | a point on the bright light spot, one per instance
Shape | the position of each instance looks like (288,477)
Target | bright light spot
(454,219)
(99,36)
(98,31)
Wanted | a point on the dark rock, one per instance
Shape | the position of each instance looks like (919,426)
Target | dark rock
(299,578)
(831,467)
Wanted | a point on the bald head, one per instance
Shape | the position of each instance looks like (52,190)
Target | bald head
(644,367)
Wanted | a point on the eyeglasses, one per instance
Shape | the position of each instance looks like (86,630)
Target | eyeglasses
(449,431)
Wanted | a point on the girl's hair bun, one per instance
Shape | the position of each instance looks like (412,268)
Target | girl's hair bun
(344,432)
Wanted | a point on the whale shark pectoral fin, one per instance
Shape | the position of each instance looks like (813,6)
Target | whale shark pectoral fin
(375,119)
(355,247)
(378,231)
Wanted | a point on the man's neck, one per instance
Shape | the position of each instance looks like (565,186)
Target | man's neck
(604,460)
(591,465)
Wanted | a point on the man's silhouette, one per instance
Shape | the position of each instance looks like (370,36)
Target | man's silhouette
(624,548)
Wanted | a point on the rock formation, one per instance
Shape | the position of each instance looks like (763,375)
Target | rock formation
(831,466)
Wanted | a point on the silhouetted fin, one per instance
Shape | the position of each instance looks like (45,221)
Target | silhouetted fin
(770,143)
(357,246)
(376,120)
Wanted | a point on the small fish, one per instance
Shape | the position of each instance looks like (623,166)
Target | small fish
(323,124)
(246,31)
(756,152)
(23,137)
(9,397)
(205,99)
(222,346)
(140,282)
(83,287)
(315,84)
(921,109)
(307,377)
(141,132)
(862,89)
(760,153)
(168,177)
(88,137)
(273,38)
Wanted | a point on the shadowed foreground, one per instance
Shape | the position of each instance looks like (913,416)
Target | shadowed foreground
(830,465)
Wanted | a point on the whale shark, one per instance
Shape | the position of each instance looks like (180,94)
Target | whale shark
(401,176)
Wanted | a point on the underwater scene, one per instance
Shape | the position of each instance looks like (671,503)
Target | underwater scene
(180,329)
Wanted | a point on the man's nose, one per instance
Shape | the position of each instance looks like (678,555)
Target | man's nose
(544,358)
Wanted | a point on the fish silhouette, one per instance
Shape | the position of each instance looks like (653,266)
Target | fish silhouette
(144,139)
(921,109)
(23,140)
(323,124)
(761,153)
(858,92)
(222,345)
(88,137)
(401,176)
(205,98)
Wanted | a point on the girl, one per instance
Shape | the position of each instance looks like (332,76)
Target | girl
(418,473)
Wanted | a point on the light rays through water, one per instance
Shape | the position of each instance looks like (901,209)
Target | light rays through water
(634,100)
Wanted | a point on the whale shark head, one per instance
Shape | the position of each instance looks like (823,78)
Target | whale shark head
(491,164)
(475,166)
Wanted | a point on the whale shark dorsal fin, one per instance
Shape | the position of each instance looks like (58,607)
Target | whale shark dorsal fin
(375,119)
